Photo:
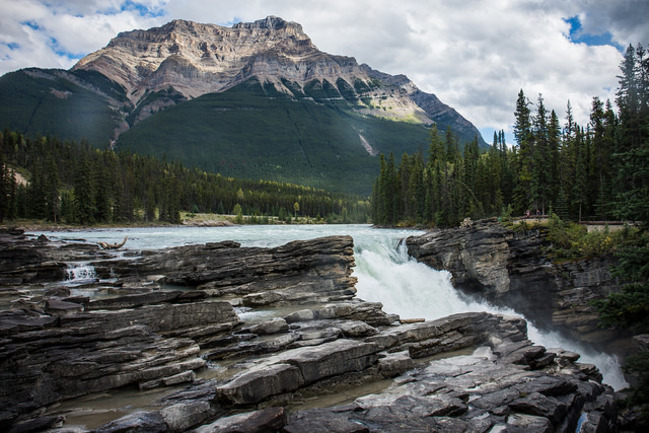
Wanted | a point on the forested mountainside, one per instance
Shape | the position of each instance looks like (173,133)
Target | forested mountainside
(256,100)
(73,183)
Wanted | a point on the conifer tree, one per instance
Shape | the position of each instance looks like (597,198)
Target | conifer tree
(4,185)
(541,159)
(580,184)
(525,140)
(36,192)
(52,200)
(470,181)
(554,145)
(84,194)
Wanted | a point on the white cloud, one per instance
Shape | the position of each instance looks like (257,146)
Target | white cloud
(474,55)
(56,33)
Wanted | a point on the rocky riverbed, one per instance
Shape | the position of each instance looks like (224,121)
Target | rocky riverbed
(290,338)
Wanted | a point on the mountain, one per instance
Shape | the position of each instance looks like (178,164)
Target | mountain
(255,100)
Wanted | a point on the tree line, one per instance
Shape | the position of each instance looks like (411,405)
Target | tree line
(596,171)
(74,183)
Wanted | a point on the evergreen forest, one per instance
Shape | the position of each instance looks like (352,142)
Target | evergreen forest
(74,183)
(596,171)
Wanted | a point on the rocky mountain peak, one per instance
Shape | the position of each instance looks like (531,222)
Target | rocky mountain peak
(271,23)
(196,58)
(182,60)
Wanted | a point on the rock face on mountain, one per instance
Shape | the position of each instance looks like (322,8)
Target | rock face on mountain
(274,360)
(512,269)
(198,58)
(195,59)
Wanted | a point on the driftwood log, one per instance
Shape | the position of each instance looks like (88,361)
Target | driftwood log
(107,246)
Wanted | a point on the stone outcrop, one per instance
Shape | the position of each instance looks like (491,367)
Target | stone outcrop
(505,384)
(182,60)
(25,260)
(55,354)
(512,269)
(194,59)
(284,328)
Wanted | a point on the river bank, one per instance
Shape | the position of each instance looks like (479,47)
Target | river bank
(188,219)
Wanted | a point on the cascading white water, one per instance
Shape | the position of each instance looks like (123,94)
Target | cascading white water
(385,273)
(80,272)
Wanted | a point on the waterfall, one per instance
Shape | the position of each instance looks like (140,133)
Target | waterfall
(387,274)
(80,272)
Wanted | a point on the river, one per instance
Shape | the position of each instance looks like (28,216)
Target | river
(384,270)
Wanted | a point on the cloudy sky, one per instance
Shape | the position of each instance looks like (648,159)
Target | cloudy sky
(475,55)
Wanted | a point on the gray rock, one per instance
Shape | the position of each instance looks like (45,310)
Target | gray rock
(396,363)
(55,306)
(512,269)
(137,422)
(182,416)
(260,382)
(527,423)
(642,341)
(268,420)
(273,326)
(539,404)
(37,424)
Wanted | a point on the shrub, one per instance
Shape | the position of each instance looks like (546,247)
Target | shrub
(572,241)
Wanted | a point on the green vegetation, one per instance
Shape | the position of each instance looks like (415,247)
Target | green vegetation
(59,103)
(252,131)
(592,172)
(77,184)
(572,241)
(447,187)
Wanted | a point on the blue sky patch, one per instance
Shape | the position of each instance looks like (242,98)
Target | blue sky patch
(236,20)
(31,24)
(141,9)
(578,36)
(59,51)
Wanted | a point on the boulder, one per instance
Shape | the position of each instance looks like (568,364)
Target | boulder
(268,420)
(180,417)
(273,326)
(137,422)
(260,382)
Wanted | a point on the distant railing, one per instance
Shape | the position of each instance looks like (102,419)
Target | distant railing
(590,225)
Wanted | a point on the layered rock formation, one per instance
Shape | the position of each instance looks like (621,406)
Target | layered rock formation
(512,269)
(194,59)
(285,329)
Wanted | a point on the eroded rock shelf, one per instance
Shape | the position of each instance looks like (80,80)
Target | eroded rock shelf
(287,328)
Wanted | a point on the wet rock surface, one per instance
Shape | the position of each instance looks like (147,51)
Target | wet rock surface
(512,269)
(250,340)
